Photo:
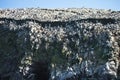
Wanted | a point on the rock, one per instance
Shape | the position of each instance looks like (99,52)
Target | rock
(59,44)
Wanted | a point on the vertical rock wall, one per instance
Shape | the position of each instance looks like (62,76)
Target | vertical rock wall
(65,49)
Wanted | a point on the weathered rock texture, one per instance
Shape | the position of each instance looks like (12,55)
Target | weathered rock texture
(59,44)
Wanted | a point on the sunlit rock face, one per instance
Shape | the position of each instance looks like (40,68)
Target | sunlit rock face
(59,44)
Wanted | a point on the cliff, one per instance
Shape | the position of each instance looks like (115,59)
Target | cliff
(59,44)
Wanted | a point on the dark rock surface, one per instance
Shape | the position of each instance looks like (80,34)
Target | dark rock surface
(59,44)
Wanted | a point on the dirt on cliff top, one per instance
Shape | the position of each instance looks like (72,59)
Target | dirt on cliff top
(58,14)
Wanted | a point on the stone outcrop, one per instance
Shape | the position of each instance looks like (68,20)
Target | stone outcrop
(59,44)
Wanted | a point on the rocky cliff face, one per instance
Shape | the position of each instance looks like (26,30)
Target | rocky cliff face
(59,44)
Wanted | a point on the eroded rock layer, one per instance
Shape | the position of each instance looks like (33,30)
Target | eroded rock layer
(59,44)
